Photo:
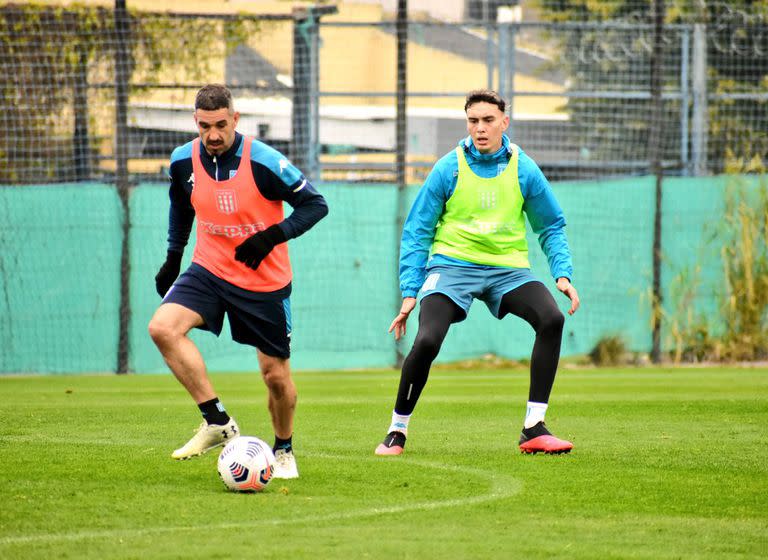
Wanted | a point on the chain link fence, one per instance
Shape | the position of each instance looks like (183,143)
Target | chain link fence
(94,99)
(324,91)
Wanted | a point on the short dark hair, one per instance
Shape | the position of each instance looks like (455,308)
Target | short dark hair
(212,97)
(484,95)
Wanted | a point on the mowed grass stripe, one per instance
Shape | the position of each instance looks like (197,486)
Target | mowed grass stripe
(667,464)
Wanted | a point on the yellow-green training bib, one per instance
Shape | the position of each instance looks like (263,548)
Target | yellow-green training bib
(483,222)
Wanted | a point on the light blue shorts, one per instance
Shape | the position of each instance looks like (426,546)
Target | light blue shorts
(464,284)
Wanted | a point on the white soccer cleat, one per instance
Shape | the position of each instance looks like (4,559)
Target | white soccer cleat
(285,465)
(208,436)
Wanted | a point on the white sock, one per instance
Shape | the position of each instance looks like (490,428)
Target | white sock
(399,423)
(534,414)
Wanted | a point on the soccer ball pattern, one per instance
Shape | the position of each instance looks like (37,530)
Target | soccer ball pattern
(246,464)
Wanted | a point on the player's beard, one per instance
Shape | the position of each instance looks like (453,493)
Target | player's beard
(215,149)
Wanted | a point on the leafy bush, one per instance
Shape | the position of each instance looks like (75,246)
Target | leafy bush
(609,351)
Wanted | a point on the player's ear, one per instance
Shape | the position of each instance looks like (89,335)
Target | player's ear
(505,123)
(235,118)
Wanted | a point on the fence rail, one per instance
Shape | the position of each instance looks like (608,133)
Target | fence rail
(325,91)
(93,100)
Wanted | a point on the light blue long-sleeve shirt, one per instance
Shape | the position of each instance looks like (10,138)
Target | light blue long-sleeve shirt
(539,204)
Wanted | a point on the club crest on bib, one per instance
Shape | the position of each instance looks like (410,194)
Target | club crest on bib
(226,201)
(487,200)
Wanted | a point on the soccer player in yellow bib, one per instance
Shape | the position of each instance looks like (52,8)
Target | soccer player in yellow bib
(464,239)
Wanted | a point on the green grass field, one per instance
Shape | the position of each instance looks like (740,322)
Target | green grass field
(666,464)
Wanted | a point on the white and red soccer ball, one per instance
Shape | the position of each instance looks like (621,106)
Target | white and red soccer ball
(246,464)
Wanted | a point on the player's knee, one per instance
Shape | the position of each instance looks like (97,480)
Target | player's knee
(552,322)
(428,343)
(276,377)
(160,332)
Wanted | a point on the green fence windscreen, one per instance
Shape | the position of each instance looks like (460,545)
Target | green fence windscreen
(59,278)
(60,275)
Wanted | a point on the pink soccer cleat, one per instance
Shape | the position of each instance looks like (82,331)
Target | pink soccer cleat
(393,444)
(537,439)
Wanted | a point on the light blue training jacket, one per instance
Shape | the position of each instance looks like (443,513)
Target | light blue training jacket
(540,206)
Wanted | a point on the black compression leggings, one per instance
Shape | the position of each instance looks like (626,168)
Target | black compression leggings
(532,302)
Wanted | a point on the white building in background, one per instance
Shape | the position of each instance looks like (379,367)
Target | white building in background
(361,130)
(454,11)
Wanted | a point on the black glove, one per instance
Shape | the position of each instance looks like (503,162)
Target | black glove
(253,250)
(168,273)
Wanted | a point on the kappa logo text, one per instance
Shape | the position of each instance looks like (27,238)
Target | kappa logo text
(238,230)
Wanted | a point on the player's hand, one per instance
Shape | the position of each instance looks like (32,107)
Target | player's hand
(254,249)
(565,286)
(168,273)
(398,325)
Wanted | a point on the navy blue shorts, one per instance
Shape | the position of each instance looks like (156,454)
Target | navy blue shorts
(260,319)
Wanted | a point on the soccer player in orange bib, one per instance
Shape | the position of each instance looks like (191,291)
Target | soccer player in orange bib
(235,186)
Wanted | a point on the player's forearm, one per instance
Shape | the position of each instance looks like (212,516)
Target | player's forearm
(306,213)
(413,264)
(554,244)
(180,222)
(548,223)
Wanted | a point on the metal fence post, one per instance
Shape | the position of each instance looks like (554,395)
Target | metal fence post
(655,157)
(685,101)
(699,126)
(123,63)
(511,68)
(503,31)
(81,139)
(313,169)
(489,63)
(401,141)
(305,117)
(302,85)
